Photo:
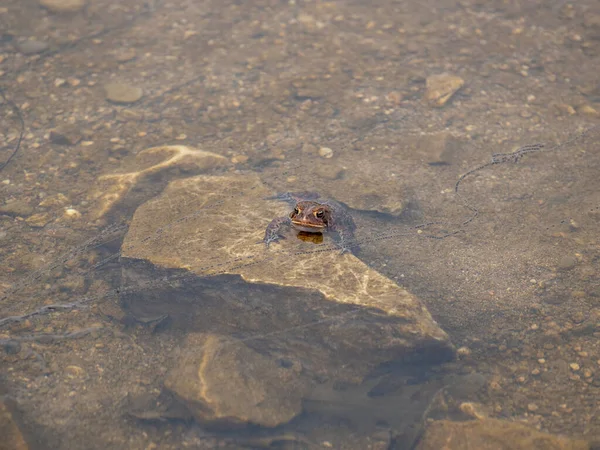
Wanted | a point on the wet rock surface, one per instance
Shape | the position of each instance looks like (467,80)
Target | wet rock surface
(350,318)
(224,382)
(493,434)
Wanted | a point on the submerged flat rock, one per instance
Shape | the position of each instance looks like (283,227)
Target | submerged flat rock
(195,254)
(223,382)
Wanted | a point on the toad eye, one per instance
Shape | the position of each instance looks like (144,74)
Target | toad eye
(296,211)
(320,214)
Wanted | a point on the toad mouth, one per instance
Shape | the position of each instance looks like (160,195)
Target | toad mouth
(307,226)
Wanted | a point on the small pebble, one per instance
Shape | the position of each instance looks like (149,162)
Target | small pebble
(472,410)
(587,110)
(54,200)
(11,347)
(440,88)
(326,152)
(74,371)
(463,352)
(122,93)
(39,220)
(532,407)
(16,208)
(565,109)
(31,47)
(394,97)
(574,367)
(71,213)
(567,262)
(125,55)
(65,136)
(494,385)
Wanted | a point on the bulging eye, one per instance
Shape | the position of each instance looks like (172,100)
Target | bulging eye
(320,214)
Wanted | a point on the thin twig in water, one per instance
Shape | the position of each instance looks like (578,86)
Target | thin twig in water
(48,309)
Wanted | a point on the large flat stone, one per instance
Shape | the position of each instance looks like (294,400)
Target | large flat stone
(309,304)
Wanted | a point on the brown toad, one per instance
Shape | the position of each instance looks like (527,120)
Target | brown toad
(312,216)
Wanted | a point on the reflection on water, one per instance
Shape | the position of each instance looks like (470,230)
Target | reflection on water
(139,304)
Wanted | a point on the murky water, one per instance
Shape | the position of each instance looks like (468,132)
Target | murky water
(140,307)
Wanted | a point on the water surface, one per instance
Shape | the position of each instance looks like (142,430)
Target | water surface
(307,96)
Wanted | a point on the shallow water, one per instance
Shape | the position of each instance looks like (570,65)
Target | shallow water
(301,96)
